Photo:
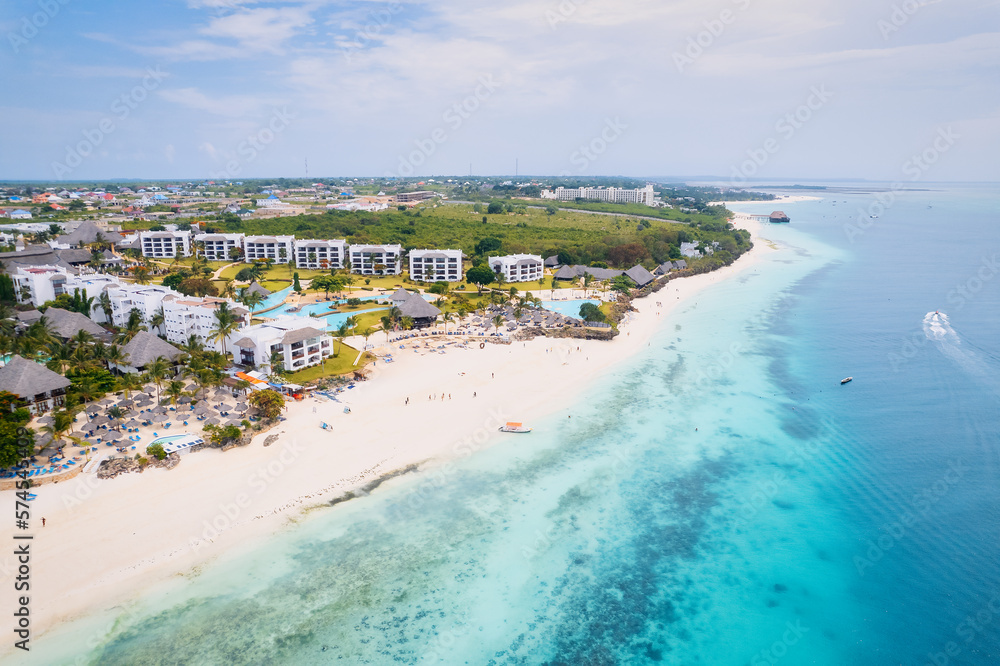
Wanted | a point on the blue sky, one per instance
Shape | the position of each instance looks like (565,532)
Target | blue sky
(732,88)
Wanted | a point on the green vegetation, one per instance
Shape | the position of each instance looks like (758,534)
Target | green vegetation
(156,450)
(268,403)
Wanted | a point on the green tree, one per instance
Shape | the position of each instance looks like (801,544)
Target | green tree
(296,286)
(226,323)
(590,312)
(480,276)
(268,403)
(487,245)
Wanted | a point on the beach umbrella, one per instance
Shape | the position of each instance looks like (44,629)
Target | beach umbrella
(223,407)
(129,413)
(133,424)
(185,399)
(241,406)
(105,402)
(160,409)
(88,427)
(233,422)
(203,408)
(114,436)
(159,418)
(46,420)
(212,421)
(101,420)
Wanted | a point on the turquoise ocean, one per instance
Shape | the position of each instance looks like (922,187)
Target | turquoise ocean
(719,498)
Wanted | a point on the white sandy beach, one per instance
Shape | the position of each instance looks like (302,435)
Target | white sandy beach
(105,541)
(781,199)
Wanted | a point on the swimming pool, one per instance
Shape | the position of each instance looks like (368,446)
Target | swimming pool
(177,443)
(568,308)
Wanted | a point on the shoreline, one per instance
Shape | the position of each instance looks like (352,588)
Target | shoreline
(108,541)
(781,199)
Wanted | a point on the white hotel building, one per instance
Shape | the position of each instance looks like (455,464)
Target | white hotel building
(644,195)
(184,316)
(298,340)
(320,254)
(218,247)
(260,248)
(435,265)
(364,259)
(39,284)
(518,267)
(165,244)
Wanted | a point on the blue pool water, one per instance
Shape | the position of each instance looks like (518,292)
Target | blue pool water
(568,308)
(718,499)
(276,298)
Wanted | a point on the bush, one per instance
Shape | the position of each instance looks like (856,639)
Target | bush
(354,302)
(156,450)
(590,312)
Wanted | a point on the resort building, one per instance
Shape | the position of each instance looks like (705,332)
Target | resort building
(145,348)
(86,234)
(435,265)
(320,254)
(147,299)
(376,259)
(38,388)
(165,244)
(279,249)
(778,217)
(420,311)
(644,195)
(639,275)
(518,267)
(184,316)
(39,284)
(270,202)
(65,324)
(219,247)
(411,197)
(296,339)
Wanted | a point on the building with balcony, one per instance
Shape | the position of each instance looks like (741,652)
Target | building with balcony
(165,244)
(435,265)
(376,259)
(320,254)
(219,247)
(279,249)
(518,267)
(184,316)
(296,340)
(642,195)
(37,388)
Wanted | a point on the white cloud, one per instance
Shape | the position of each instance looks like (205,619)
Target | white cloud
(229,106)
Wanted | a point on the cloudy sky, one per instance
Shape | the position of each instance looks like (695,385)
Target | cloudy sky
(731,88)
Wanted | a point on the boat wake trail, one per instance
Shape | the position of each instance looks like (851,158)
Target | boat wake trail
(982,366)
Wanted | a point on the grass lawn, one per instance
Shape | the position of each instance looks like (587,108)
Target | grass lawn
(333,366)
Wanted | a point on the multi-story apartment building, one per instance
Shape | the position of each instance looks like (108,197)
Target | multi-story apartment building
(642,195)
(320,254)
(296,339)
(518,267)
(165,244)
(376,259)
(39,284)
(435,265)
(279,249)
(219,247)
(184,316)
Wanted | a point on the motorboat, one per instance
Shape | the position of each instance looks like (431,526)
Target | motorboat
(846,380)
(511,426)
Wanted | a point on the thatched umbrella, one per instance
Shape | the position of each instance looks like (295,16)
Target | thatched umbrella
(161,409)
(223,407)
(114,436)
(159,418)
(46,420)
(101,420)
(204,408)
(241,406)
(185,399)
(88,427)
(133,424)
(233,422)
(212,421)
(105,402)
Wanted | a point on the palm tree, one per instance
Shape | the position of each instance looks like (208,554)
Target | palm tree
(446,317)
(128,383)
(587,279)
(158,319)
(115,356)
(158,369)
(497,320)
(407,323)
(366,333)
(351,321)
(252,299)
(340,334)
(86,389)
(62,422)
(60,357)
(229,289)
(133,325)
(116,413)
(81,339)
(104,301)
(226,323)
(175,389)
(140,274)
(386,326)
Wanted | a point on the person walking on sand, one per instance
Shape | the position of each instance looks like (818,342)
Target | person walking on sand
(43,522)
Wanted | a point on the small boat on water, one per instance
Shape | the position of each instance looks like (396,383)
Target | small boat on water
(510,426)
(846,379)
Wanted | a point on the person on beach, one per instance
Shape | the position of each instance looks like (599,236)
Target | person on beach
(43,522)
